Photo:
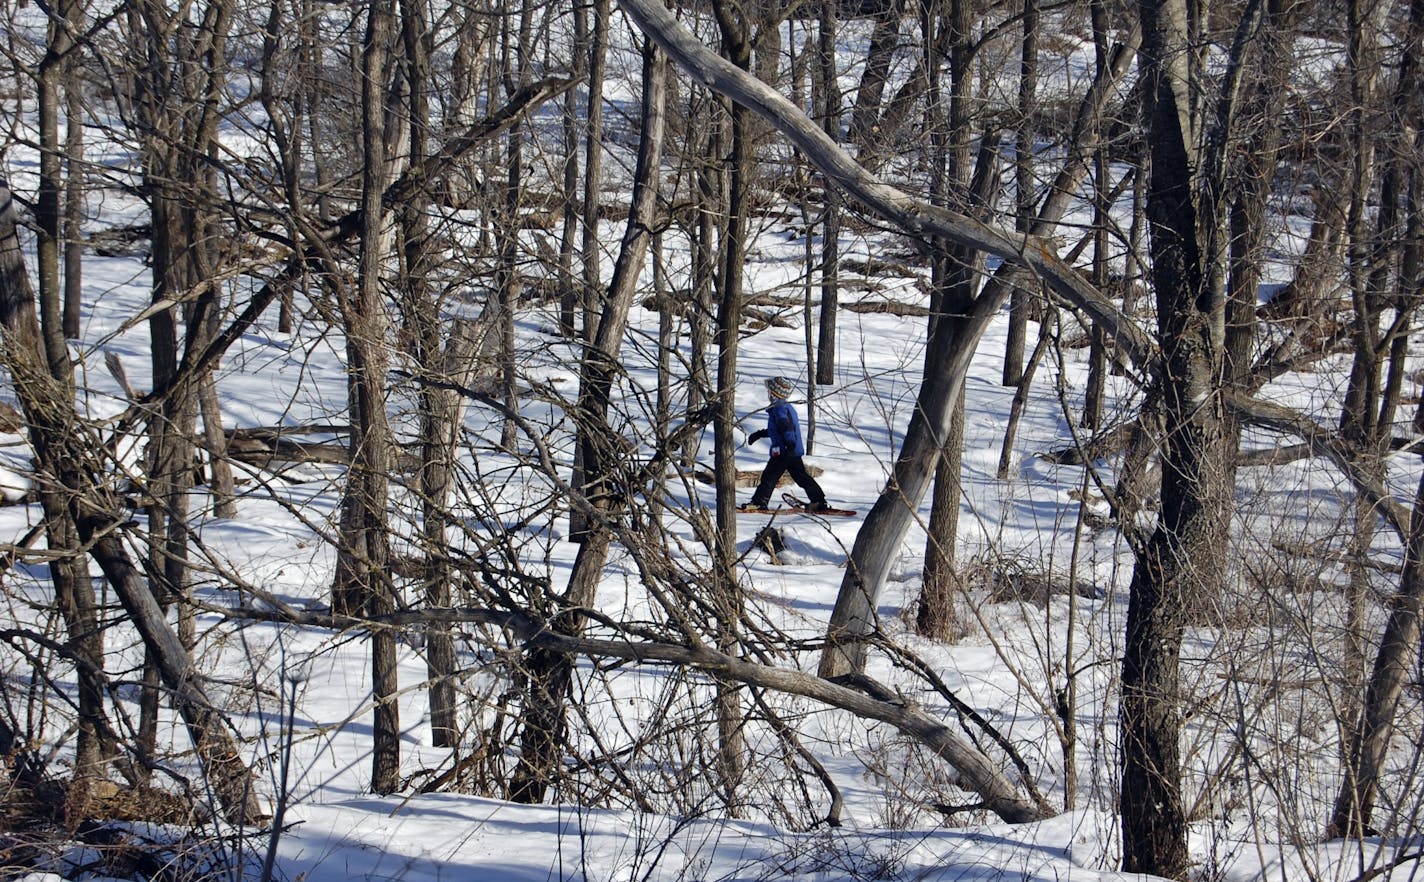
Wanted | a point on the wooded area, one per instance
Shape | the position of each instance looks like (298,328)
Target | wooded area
(1211,197)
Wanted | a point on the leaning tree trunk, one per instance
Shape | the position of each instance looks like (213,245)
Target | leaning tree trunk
(884,40)
(63,443)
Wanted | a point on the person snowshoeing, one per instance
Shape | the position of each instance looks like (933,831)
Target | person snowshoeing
(784,429)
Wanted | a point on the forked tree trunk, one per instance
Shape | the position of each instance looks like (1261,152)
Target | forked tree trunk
(1182,563)
(955,274)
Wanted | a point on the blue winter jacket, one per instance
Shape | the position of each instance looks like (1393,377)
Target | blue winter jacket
(784,429)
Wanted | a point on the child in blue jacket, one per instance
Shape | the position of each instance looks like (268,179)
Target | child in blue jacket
(784,429)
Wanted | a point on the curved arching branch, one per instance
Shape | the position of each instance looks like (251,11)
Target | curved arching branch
(977,771)
(911,214)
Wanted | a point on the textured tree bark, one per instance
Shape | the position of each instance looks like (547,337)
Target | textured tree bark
(954,275)
(1183,560)
(591,279)
(362,580)
(1369,744)
(865,116)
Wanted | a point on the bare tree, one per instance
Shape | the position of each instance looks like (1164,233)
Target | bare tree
(363,580)
(69,570)
(880,55)
(1368,738)
(1025,186)
(176,118)
(826,96)
(602,448)
(65,449)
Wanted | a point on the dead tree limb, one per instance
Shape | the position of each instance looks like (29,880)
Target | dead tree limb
(869,700)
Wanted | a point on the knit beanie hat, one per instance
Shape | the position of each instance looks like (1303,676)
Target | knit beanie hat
(780,387)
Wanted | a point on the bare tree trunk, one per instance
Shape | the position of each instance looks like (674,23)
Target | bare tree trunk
(954,277)
(1372,725)
(362,572)
(884,40)
(439,364)
(74,193)
(551,673)
(827,99)
(935,615)
(1182,561)
(1369,746)
(69,571)
(1021,306)
(736,46)
(50,98)
(570,299)
(593,164)
(592,183)
(1020,401)
(1093,394)
(712,196)
(178,120)
(1361,406)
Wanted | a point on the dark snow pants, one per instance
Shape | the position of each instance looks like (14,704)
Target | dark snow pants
(781,465)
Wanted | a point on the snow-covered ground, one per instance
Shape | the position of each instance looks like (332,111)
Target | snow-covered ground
(302,696)
(306,696)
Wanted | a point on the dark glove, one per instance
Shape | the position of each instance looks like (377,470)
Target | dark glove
(756,436)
